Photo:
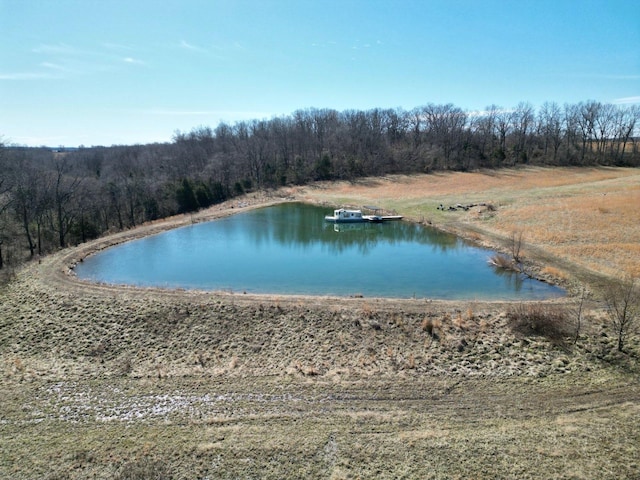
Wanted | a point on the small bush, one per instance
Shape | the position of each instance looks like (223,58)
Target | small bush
(427,325)
(536,319)
(502,261)
(459,322)
(432,327)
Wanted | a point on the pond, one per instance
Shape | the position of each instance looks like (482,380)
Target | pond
(290,249)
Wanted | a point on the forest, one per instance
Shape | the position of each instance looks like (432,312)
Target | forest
(51,198)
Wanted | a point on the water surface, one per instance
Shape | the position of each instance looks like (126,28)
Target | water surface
(290,249)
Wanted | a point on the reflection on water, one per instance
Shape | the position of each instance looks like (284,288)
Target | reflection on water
(291,249)
(302,225)
(513,279)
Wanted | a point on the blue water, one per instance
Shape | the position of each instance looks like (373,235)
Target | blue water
(290,249)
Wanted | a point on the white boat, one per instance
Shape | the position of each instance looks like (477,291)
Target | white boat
(342,215)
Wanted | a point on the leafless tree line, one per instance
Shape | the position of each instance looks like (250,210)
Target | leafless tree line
(49,199)
(318,144)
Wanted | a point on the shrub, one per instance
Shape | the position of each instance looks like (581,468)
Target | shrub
(502,261)
(368,311)
(427,325)
(432,327)
(537,319)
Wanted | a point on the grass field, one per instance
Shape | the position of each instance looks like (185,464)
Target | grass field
(112,383)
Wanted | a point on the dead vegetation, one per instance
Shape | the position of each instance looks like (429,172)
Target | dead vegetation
(549,321)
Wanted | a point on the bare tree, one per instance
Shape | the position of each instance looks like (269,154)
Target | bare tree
(64,192)
(550,125)
(5,195)
(586,121)
(523,120)
(485,128)
(571,126)
(622,299)
(6,183)
(626,123)
(26,201)
(504,127)
(604,131)
(415,125)
(579,312)
(516,244)
(444,127)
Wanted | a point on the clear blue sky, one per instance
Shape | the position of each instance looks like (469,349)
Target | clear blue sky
(121,72)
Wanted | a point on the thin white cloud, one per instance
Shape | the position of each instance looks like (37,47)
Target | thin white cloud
(133,61)
(28,76)
(57,49)
(116,46)
(358,44)
(62,60)
(44,71)
(211,51)
(54,66)
(324,44)
(627,100)
(194,48)
(235,46)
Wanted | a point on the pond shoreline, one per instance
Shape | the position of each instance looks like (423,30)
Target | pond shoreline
(70,257)
(286,248)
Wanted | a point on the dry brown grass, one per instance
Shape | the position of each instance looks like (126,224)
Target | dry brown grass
(554,272)
(503,183)
(600,230)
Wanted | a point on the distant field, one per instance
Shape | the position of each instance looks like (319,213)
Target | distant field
(123,383)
